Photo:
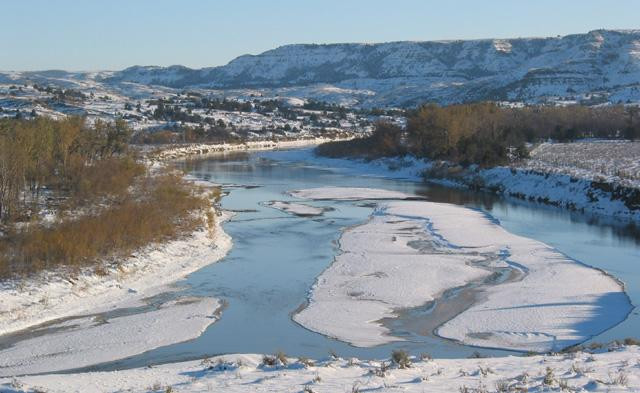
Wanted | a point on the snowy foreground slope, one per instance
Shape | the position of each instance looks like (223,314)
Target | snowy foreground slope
(411,252)
(573,67)
(615,371)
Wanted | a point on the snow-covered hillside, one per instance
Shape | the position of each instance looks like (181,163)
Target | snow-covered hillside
(601,65)
(596,67)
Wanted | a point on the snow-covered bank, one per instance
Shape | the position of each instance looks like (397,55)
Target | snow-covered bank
(575,190)
(598,160)
(89,340)
(54,295)
(615,371)
(410,252)
(173,152)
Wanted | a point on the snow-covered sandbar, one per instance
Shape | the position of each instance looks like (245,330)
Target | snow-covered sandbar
(298,209)
(410,252)
(383,267)
(89,340)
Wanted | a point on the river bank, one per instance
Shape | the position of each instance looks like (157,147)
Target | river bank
(202,150)
(610,197)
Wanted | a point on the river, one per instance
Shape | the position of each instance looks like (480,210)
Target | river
(276,258)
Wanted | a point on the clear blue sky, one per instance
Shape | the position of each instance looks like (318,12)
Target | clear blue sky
(114,34)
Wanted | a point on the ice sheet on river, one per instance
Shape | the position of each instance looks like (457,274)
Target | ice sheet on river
(410,252)
(349,194)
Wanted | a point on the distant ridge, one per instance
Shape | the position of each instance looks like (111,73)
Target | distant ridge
(599,66)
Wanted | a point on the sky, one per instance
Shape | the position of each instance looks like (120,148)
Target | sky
(94,35)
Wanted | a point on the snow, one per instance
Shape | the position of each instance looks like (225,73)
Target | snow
(90,340)
(612,161)
(544,307)
(298,209)
(556,303)
(58,294)
(615,371)
(349,194)
(378,272)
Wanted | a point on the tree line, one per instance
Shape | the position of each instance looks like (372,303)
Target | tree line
(73,193)
(488,134)
(51,154)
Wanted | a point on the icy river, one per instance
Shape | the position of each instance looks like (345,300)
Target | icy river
(277,257)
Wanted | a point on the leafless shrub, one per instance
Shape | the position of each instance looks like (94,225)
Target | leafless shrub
(580,370)
(621,379)
(595,346)
(481,388)
(306,362)
(425,357)
(269,361)
(563,384)
(282,358)
(16,384)
(502,386)
(484,371)
(549,377)
(401,358)
(380,371)
(631,341)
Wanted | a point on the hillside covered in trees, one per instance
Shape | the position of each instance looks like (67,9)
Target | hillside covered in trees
(486,133)
(72,193)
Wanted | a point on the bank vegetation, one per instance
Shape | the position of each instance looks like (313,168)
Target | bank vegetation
(488,134)
(73,194)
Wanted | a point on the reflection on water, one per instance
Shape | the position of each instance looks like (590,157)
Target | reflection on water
(276,258)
